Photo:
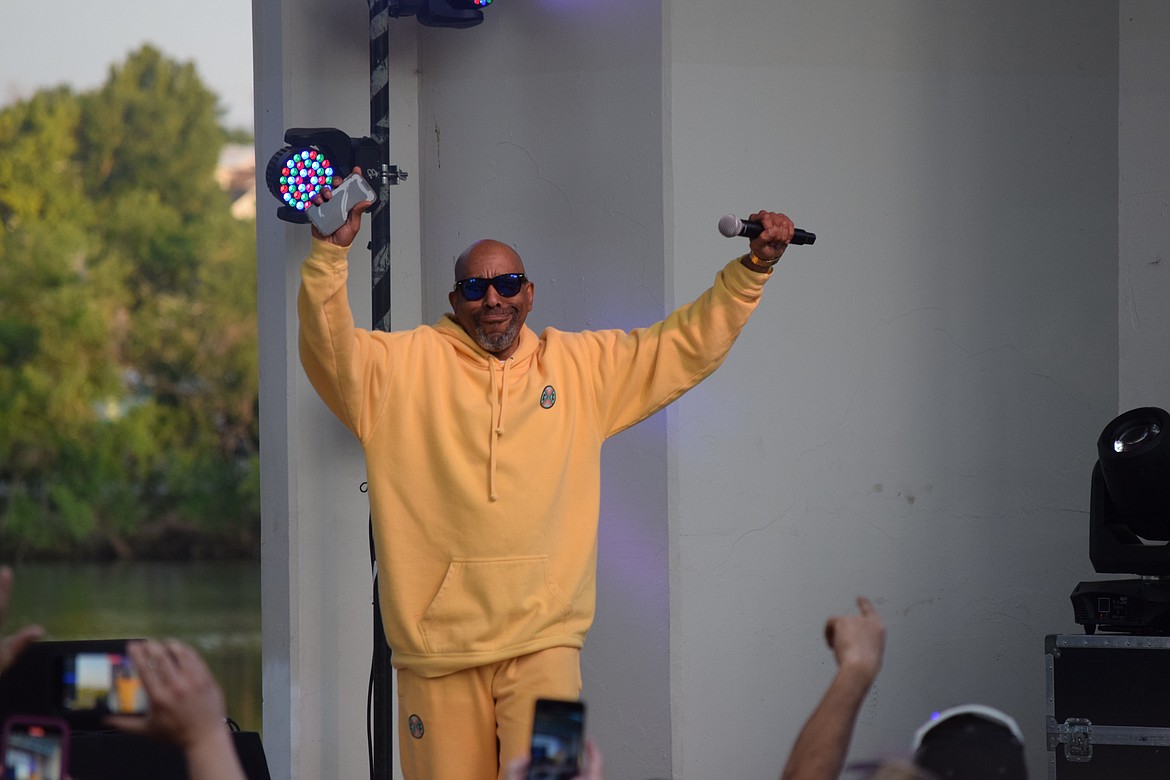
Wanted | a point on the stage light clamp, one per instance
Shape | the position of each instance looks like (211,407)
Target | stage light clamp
(392,174)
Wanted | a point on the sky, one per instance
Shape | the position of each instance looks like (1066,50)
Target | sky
(75,42)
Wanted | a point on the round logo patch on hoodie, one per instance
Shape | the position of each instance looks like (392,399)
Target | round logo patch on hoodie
(548,397)
(415,725)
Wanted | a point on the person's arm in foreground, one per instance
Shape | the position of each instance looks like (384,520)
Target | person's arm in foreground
(186,709)
(594,765)
(857,642)
(13,646)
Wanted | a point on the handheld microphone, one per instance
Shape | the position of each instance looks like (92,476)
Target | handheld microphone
(732,226)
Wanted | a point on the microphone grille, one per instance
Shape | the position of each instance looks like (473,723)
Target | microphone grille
(729,225)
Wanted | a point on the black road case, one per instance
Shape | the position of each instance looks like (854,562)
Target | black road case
(1108,706)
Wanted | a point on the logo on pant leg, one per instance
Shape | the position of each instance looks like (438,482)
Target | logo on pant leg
(415,725)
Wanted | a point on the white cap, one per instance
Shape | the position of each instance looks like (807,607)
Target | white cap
(978,710)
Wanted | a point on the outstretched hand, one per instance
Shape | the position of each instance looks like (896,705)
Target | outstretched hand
(344,235)
(12,646)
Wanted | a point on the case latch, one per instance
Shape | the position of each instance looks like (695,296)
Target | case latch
(1077,736)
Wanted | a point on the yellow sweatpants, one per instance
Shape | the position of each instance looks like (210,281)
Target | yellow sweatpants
(448,726)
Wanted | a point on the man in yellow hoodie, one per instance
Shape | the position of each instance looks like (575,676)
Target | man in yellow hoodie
(483,455)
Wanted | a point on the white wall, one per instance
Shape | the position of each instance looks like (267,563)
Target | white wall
(911,415)
(312,63)
(1144,211)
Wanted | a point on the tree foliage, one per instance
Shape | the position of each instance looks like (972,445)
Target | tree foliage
(128,344)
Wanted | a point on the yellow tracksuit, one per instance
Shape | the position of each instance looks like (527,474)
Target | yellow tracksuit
(484,476)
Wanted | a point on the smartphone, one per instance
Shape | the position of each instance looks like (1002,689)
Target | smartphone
(331,214)
(101,682)
(558,740)
(35,748)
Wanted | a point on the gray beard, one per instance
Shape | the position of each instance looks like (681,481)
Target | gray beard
(497,342)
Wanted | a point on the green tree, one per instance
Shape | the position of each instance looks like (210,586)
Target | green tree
(39,179)
(153,126)
(128,383)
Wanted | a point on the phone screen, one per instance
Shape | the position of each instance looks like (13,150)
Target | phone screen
(102,682)
(35,748)
(557,740)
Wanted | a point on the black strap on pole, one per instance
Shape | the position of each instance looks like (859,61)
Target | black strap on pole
(380,719)
(380,132)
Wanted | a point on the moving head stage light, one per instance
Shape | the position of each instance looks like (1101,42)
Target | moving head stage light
(1129,527)
(441,13)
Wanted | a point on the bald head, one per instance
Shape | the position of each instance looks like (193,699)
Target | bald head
(488,254)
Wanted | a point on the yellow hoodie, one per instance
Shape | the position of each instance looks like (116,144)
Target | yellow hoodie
(484,476)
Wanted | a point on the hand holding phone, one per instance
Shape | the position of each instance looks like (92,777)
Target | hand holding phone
(557,740)
(36,747)
(186,703)
(333,213)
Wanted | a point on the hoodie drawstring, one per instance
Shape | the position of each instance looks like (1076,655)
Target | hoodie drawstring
(499,395)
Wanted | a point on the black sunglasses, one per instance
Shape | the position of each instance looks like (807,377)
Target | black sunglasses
(476,287)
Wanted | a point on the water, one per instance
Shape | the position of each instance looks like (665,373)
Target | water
(212,606)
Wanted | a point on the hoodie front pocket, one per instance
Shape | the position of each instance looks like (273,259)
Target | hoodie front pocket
(486,604)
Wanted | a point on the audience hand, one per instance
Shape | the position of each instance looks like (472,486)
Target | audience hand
(186,708)
(186,703)
(858,641)
(13,646)
(594,765)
